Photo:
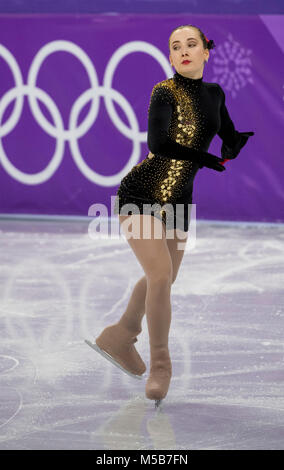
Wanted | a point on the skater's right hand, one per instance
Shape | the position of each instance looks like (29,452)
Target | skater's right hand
(211,161)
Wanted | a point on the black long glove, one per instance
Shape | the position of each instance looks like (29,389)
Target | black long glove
(232,152)
(211,161)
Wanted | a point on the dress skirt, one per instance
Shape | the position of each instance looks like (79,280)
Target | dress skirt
(140,191)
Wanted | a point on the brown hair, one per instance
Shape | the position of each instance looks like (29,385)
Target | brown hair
(206,44)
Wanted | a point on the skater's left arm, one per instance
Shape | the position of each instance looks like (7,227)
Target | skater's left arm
(233,140)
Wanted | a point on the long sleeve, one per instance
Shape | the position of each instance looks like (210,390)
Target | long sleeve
(233,140)
(159,118)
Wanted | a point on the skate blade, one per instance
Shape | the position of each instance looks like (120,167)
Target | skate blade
(158,404)
(111,359)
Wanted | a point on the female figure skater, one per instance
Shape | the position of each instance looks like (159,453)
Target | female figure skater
(184,115)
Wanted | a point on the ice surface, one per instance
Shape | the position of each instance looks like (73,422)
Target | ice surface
(59,286)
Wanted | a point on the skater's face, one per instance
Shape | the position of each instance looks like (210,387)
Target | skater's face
(186,44)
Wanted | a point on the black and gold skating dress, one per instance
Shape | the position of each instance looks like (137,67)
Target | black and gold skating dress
(184,115)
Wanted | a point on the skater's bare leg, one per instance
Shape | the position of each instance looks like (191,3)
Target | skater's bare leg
(116,340)
(135,310)
(154,256)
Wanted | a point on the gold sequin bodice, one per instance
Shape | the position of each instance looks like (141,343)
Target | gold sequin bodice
(178,111)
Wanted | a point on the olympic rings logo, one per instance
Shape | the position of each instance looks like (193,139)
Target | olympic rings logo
(73,132)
